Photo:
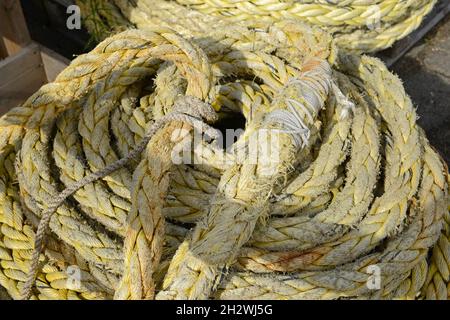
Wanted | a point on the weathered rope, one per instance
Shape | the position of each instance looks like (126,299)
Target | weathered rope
(361,26)
(351,183)
(177,115)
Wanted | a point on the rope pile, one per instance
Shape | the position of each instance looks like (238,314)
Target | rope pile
(353,185)
(360,26)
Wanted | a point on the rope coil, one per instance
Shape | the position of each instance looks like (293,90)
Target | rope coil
(362,188)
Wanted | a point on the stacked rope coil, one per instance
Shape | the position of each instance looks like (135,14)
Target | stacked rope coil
(353,184)
(359,26)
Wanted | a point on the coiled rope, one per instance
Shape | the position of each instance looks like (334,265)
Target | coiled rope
(359,26)
(353,184)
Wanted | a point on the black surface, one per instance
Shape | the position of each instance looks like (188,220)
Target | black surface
(46,22)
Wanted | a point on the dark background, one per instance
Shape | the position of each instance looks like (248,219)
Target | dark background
(425,69)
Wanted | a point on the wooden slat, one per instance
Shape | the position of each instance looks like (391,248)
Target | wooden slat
(3,51)
(46,21)
(26,66)
(13,28)
(23,75)
(12,67)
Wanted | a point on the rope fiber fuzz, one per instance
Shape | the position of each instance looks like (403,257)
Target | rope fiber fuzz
(90,178)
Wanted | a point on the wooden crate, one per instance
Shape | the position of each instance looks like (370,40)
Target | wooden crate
(25,65)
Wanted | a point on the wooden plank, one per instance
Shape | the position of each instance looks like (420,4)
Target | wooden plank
(22,75)
(4,294)
(13,28)
(400,48)
(53,63)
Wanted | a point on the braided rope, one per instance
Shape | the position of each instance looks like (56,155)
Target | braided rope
(365,26)
(356,184)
